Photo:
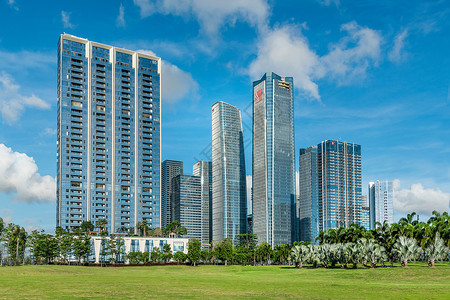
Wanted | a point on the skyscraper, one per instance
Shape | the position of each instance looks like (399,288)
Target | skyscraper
(203,169)
(274,199)
(229,198)
(308,192)
(371,196)
(381,199)
(108,152)
(169,169)
(187,204)
(339,173)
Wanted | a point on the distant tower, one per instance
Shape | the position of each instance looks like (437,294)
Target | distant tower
(203,169)
(381,195)
(308,192)
(275,219)
(229,176)
(339,173)
(169,170)
(187,204)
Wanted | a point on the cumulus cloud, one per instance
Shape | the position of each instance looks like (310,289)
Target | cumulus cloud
(353,54)
(65,18)
(420,199)
(397,52)
(176,84)
(120,21)
(286,51)
(19,176)
(12,103)
(211,15)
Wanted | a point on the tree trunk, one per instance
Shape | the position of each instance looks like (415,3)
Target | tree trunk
(431,263)
(300,265)
(355,265)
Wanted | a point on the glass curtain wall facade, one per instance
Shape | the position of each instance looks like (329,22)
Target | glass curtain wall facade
(108,150)
(339,172)
(169,169)
(382,200)
(308,194)
(275,218)
(187,204)
(229,199)
(203,169)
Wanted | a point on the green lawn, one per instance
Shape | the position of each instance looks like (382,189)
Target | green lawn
(56,282)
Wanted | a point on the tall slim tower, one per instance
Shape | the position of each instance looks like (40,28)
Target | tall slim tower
(108,164)
(229,200)
(169,170)
(274,198)
(339,171)
(203,169)
(308,192)
(381,199)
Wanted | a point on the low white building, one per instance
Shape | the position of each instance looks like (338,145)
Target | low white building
(143,244)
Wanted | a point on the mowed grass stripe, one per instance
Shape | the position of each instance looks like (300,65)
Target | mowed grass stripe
(65,282)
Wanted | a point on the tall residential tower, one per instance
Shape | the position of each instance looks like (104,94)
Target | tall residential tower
(108,152)
(169,170)
(275,219)
(229,199)
(203,169)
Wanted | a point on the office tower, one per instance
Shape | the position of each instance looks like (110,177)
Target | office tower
(203,169)
(365,220)
(169,169)
(108,163)
(308,192)
(381,201)
(187,204)
(229,178)
(274,199)
(339,172)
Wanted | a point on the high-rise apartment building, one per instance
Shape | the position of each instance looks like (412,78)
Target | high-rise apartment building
(187,204)
(381,202)
(339,174)
(308,194)
(229,199)
(365,220)
(169,170)
(274,198)
(108,163)
(203,169)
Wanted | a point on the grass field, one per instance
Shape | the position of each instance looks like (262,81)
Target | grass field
(59,282)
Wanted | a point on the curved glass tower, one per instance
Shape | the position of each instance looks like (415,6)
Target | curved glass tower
(229,200)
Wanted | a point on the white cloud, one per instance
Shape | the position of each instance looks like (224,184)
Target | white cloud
(353,54)
(329,2)
(65,18)
(13,5)
(25,59)
(120,21)
(12,103)
(19,175)
(176,84)
(211,15)
(420,199)
(49,131)
(285,51)
(397,52)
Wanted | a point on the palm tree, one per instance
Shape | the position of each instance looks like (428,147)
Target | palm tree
(101,224)
(374,252)
(406,248)
(300,255)
(436,250)
(142,226)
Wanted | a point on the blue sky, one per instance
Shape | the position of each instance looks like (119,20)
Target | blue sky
(371,72)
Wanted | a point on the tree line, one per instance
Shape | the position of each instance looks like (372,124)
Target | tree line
(404,241)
